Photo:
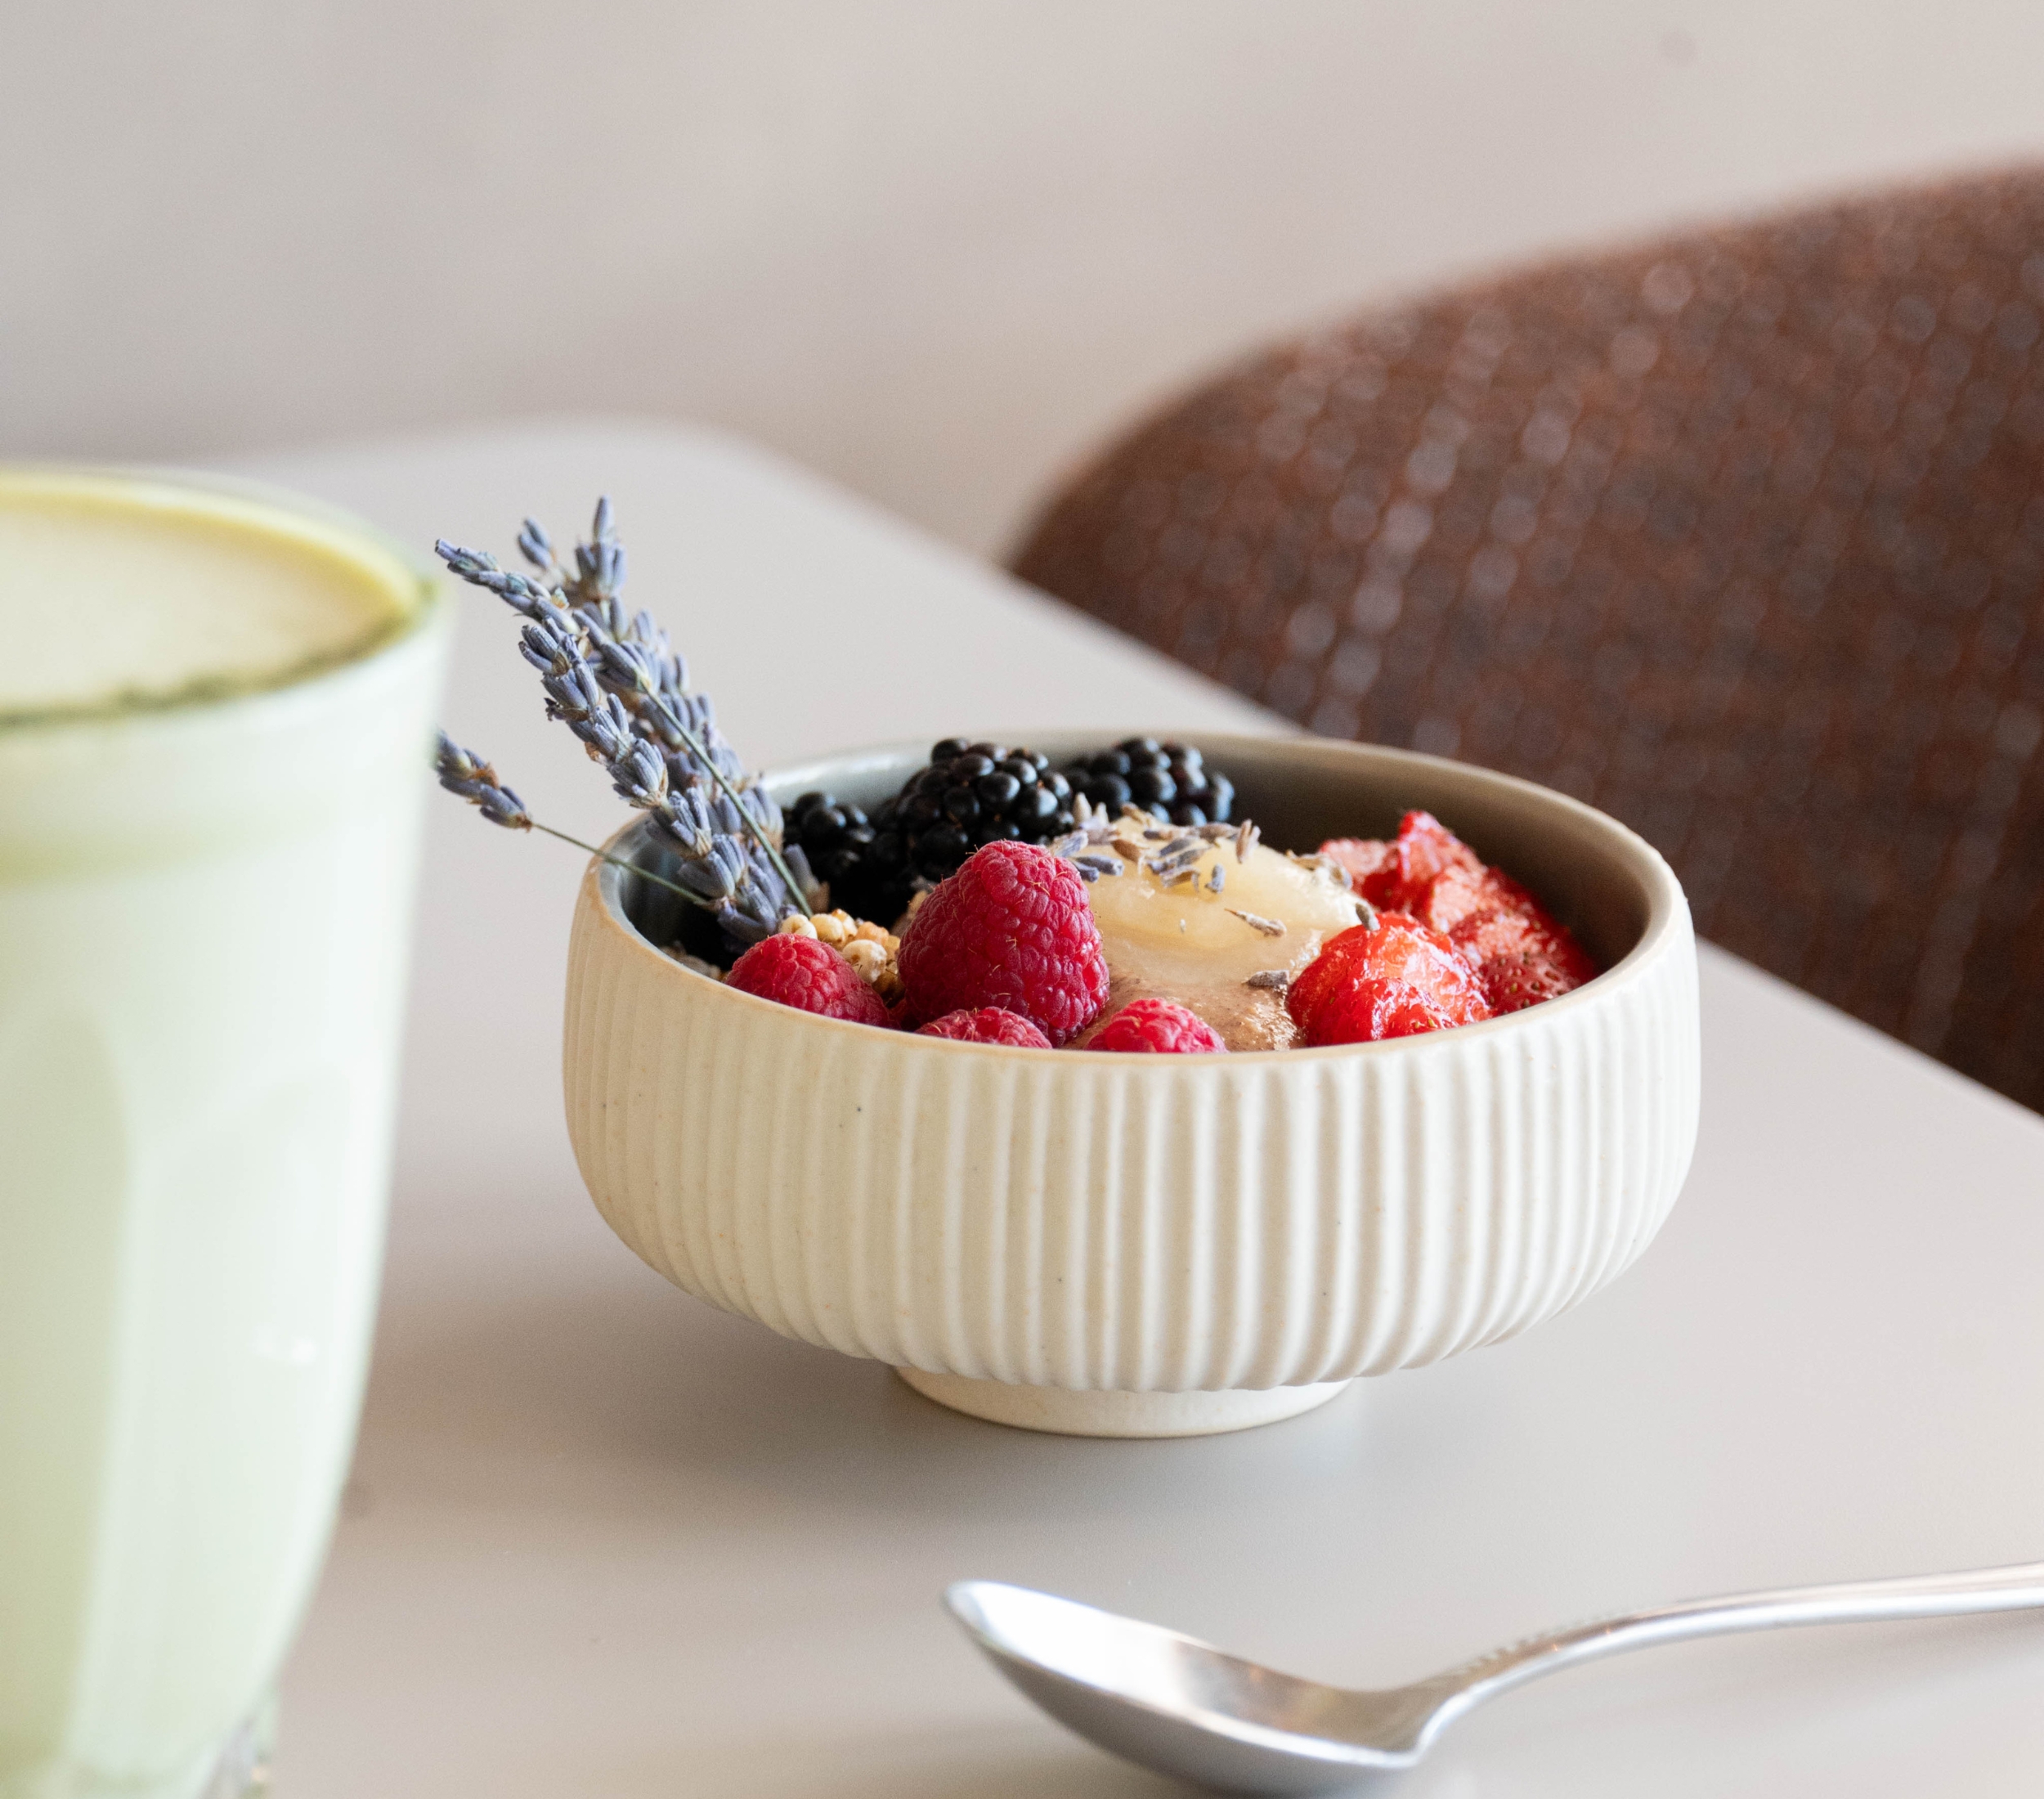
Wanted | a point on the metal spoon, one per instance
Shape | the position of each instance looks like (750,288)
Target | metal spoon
(1177,1705)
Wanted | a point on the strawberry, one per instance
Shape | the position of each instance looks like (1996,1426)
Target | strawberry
(1394,876)
(1520,955)
(1362,857)
(1396,978)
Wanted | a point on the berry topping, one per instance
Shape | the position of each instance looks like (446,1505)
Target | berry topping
(807,974)
(1169,779)
(871,949)
(1458,893)
(1396,978)
(1158,1027)
(1393,876)
(971,794)
(1360,857)
(988,1024)
(835,837)
(1012,929)
(1520,955)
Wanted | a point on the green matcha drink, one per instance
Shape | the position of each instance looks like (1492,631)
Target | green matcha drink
(214,731)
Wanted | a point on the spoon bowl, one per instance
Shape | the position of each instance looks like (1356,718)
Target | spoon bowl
(1184,1708)
(1178,1705)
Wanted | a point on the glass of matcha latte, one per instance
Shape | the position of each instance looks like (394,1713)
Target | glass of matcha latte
(214,738)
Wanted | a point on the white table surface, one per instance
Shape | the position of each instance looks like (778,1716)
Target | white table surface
(602,1539)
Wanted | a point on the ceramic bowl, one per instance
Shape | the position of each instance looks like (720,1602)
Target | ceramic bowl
(1139,1245)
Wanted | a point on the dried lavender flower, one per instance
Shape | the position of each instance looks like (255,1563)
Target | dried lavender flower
(1266,928)
(615,681)
(535,546)
(464,772)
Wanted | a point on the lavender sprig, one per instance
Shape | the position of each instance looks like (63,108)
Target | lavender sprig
(616,682)
(464,772)
(632,659)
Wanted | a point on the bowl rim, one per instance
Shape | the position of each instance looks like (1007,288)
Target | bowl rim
(1667,912)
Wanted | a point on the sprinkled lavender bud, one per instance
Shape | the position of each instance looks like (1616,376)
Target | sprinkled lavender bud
(1267,927)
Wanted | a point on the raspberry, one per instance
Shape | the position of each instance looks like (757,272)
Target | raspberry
(988,1024)
(1396,978)
(1011,928)
(1160,1027)
(810,975)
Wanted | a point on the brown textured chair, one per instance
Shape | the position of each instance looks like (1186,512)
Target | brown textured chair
(1739,536)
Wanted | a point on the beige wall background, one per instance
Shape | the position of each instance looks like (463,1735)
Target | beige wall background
(934,248)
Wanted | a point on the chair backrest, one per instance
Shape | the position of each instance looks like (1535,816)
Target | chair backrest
(1739,536)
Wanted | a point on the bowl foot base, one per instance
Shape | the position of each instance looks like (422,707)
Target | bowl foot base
(1066,1414)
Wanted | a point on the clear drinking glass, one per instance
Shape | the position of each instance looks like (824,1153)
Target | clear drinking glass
(205,908)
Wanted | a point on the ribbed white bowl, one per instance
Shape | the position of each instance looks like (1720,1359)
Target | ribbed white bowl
(1131,1244)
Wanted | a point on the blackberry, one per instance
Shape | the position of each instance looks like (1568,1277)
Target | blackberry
(1170,778)
(835,836)
(969,794)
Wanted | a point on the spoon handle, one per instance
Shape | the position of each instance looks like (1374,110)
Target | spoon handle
(1909,1596)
